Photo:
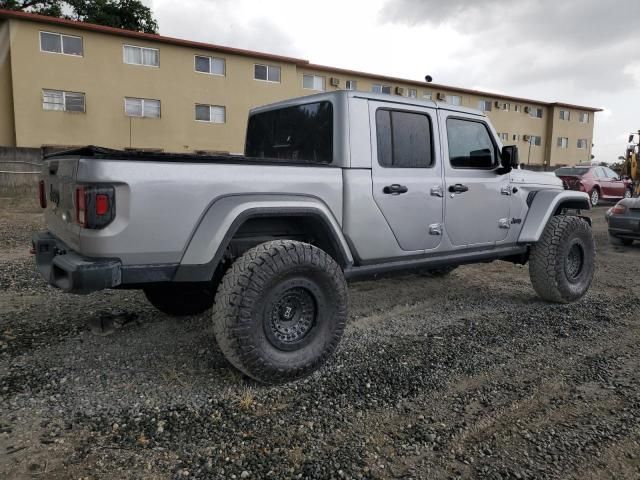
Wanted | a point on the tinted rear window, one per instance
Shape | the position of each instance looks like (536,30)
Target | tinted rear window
(571,171)
(404,139)
(302,133)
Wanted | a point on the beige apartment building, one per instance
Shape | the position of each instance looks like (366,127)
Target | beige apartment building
(66,83)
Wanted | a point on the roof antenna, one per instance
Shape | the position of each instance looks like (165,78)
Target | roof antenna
(428,78)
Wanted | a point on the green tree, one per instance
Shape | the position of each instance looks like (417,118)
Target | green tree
(128,14)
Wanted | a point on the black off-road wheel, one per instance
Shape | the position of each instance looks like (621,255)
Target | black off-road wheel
(438,272)
(562,263)
(280,311)
(181,299)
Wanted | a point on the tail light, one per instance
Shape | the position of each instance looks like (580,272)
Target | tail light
(42,194)
(95,206)
(618,209)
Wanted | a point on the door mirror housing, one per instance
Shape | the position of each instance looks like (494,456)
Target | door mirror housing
(508,158)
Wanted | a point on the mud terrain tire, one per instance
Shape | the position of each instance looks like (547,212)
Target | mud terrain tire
(280,311)
(562,263)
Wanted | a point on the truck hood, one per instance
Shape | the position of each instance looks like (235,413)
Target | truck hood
(528,177)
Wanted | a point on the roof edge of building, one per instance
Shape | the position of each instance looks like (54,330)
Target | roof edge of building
(32,17)
(18,15)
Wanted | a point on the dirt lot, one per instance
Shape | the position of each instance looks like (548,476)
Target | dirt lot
(469,376)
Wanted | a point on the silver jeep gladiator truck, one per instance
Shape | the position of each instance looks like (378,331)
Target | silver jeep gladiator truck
(332,187)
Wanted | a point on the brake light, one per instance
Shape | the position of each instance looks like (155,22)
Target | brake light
(81,206)
(42,195)
(618,209)
(95,206)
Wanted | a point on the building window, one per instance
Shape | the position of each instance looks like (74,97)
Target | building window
(563,142)
(148,57)
(413,93)
(515,137)
(266,73)
(351,85)
(565,115)
(453,99)
(210,65)
(506,107)
(484,105)
(504,136)
(142,107)
(582,143)
(63,101)
(535,112)
(377,88)
(427,95)
(584,117)
(516,108)
(58,43)
(535,140)
(210,113)
(313,82)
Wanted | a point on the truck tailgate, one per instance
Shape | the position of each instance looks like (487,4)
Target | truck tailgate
(59,176)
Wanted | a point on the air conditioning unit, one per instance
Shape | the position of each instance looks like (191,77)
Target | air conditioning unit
(497,104)
(526,138)
(441,96)
(399,91)
(335,82)
(527,109)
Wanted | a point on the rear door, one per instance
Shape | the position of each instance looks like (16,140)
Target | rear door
(406,173)
(476,195)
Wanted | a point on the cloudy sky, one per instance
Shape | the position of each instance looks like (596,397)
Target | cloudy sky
(577,51)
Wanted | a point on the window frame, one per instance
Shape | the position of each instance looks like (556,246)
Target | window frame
(352,83)
(142,49)
(447,97)
(210,58)
(412,93)
(142,107)
(535,110)
(431,144)
(562,142)
(224,108)
(314,77)
(61,52)
(586,143)
(496,150)
(267,66)
(483,104)
(382,87)
(64,101)
(586,116)
(568,115)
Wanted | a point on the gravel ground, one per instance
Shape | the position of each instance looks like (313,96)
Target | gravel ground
(470,376)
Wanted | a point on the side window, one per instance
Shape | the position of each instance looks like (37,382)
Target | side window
(610,173)
(470,145)
(404,139)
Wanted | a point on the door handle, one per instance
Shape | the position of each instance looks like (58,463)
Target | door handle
(395,189)
(458,188)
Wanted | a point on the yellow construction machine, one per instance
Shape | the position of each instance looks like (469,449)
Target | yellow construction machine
(631,167)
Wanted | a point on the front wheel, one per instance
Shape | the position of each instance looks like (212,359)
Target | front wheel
(280,311)
(562,263)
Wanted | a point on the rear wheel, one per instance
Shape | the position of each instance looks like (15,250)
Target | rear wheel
(181,299)
(562,263)
(595,197)
(620,241)
(280,311)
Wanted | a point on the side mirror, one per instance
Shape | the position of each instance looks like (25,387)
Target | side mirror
(509,158)
(631,138)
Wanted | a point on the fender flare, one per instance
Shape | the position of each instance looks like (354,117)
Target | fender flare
(544,205)
(226,214)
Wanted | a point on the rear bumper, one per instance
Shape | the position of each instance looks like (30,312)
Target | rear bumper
(624,226)
(71,272)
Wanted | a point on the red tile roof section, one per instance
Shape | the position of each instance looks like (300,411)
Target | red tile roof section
(12,14)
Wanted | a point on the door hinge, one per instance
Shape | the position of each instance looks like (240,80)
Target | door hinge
(506,190)
(437,191)
(504,223)
(435,229)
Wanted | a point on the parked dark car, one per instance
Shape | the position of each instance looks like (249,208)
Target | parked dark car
(601,183)
(624,221)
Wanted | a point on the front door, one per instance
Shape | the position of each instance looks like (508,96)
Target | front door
(477,196)
(406,173)
(616,186)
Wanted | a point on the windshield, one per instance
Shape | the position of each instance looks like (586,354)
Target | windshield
(302,133)
(571,171)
